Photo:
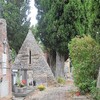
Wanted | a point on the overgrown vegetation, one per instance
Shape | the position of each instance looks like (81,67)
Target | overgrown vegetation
(85,55)
(13,55)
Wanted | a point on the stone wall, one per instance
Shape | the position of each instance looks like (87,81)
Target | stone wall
(5,71)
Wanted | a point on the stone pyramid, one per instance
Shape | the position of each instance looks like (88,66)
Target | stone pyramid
(31,57)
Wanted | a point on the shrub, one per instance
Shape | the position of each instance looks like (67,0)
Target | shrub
(85,56)
(95,92)
(41,87)
(61,80)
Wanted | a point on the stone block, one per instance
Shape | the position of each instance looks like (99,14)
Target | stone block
(80,98)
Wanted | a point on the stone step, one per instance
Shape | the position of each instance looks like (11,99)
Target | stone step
(18,98)
(81,98)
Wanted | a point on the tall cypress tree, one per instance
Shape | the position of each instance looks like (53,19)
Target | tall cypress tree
(60,21)
(56,28)
(15,12)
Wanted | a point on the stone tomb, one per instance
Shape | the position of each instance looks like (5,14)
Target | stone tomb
(32,64)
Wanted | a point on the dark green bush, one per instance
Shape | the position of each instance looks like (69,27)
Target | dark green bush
(85,56)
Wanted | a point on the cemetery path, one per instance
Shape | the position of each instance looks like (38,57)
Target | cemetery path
(55,93)
(63,92)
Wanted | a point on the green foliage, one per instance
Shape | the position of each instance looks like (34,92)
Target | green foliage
(95,92)
(96,24)
(59,21)
(85,55)
(55,24)
(13,54)
(86,12)
(18,79)
(15,12)
(61,80)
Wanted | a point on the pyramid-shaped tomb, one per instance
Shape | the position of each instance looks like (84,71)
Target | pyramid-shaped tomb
(31,60)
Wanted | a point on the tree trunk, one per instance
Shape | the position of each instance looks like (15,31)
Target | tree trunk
(52,62)
(59,65)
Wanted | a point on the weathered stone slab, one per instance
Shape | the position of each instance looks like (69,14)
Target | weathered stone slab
(81,98)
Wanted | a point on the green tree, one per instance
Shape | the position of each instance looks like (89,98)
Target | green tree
(88,17)
(85,56)
(96,25)
(56,28)
(60,21)
(15,12)
(86,11)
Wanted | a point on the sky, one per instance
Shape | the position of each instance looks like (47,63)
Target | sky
(33,13)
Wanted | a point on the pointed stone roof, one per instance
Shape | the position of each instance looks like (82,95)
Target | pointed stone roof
(38,62)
